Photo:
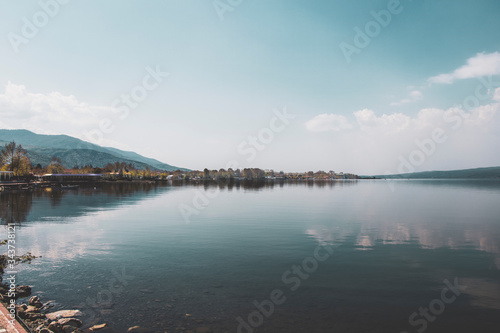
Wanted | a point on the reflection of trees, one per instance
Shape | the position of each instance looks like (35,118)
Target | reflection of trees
(121,189)
(259,184)
(14,207)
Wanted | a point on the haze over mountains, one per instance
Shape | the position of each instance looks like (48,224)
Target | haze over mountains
(72,151)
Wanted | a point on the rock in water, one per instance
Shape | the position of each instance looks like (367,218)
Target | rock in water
(63,314)
(138,329)
(23,291)
(70,321)
(32,308)
(69,329)
(97,327)
(35,301)
(55,327)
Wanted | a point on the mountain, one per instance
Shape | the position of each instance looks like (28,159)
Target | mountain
(493,172)
(73,151)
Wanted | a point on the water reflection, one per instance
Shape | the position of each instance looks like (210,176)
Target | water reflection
(239,247)
(15,208)
(492,185)
(257,185)
(452,214)
(18,206)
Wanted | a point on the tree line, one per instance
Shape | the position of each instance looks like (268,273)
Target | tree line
(14,157)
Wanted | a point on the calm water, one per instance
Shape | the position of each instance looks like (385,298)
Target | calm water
(336,257)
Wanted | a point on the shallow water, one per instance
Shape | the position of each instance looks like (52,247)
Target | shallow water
(356,256)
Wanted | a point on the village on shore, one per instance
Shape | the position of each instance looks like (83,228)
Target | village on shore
(16,168)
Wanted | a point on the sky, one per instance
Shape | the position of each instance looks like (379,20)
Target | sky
(367,87)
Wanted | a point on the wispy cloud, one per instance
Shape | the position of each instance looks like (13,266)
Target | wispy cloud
(482,64)
(413,96)
(328,122)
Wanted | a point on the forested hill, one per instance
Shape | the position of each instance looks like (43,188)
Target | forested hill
(72,151)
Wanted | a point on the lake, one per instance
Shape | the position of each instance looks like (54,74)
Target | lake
(342,256)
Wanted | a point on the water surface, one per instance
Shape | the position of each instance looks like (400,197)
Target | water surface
(125,255)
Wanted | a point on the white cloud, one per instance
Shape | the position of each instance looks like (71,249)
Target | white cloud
(377,143)
(328,122)
(414,96)
(51,113)
(387,123)
(482,64)
(496,95)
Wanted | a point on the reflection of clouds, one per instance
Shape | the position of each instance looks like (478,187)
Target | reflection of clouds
(66,241)
(427,235)
(326,236)
(364,242)
(483,293)
(387,233)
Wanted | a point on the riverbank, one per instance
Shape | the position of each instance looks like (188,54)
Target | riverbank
(33,316)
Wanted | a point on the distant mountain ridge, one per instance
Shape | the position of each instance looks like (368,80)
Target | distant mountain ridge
(73,151)
(491,172)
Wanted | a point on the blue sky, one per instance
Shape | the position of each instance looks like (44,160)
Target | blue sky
(229,71)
